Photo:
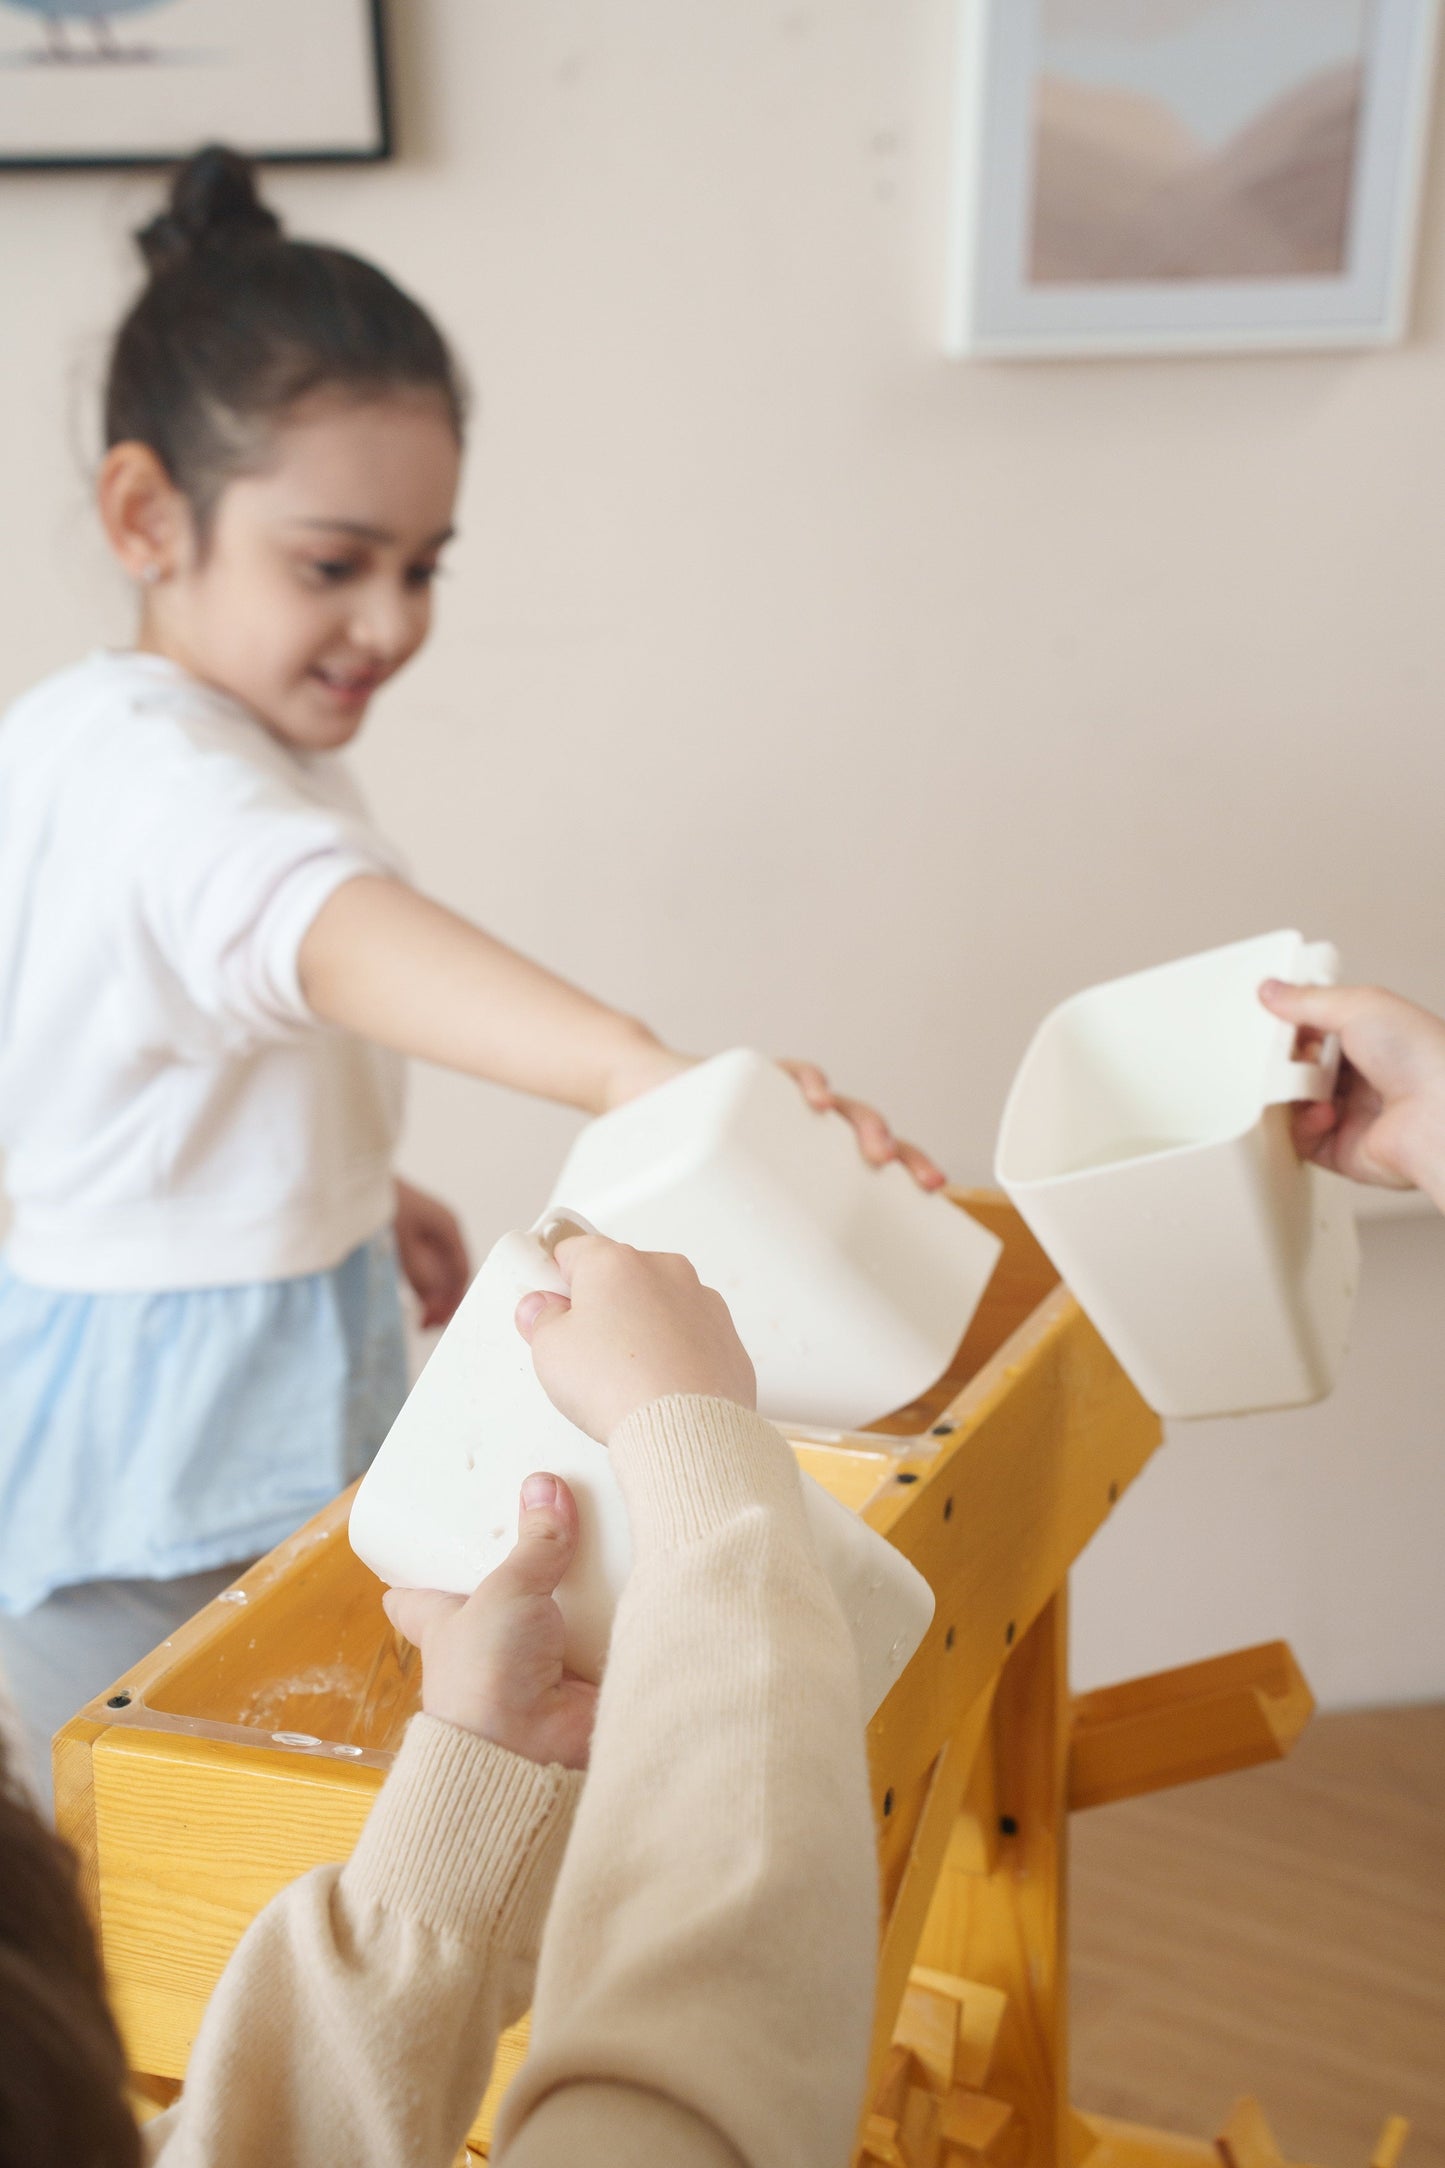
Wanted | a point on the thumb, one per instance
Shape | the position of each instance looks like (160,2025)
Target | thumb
(533,1308)
(546,1536)
(1318,1008)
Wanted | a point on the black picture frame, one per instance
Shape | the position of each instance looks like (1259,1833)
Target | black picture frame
(380,148)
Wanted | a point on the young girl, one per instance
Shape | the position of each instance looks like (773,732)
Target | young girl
(211,962)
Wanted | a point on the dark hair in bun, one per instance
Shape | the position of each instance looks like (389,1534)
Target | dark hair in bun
(238,323)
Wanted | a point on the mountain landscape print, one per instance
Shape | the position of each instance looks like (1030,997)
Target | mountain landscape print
(1196,139)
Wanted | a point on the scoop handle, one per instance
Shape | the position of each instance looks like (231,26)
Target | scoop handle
(558,1225)
(1291,1080)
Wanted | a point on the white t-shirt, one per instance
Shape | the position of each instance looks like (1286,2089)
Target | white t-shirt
(171,1112)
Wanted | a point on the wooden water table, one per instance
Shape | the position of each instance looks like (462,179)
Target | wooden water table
(220,1768)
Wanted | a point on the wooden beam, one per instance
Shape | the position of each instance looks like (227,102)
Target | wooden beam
(915,1890)
(1175,1727)
(1040,1447)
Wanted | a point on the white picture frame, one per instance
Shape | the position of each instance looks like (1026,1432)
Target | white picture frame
(1029,275)
(146,82)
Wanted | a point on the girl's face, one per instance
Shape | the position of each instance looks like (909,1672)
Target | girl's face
(314,585)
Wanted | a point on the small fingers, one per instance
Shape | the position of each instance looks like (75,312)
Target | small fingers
(1313,1125)
(926,1172)
(875,1138)
(812,1082)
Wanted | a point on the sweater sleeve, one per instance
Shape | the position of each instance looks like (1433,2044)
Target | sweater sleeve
(705,1988)
(358,2018)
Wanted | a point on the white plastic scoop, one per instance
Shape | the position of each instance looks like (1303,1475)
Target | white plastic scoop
(850,1287)
(1147,1143)
(438,1507)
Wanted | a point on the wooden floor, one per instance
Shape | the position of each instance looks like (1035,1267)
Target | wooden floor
(1281,1932)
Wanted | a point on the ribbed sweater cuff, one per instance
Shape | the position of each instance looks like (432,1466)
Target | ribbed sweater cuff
(689,1465)
(466,1837)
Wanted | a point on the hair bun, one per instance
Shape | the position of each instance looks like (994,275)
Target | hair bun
(213,203)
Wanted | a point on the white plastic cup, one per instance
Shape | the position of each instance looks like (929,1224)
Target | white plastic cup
(438,1506)
(850,1287)
(1146,1141)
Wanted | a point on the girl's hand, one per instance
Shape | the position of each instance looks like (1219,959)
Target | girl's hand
(637,1327)
(654,1063)
(432,1252)
(1386,1122)
(876,1140)
(491,1662)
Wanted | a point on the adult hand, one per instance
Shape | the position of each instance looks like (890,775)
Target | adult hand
(432,1252)
(491,1662)
(635,1327)
(1386,1122)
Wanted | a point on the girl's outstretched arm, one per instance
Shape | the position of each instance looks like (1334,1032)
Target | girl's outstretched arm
(388,963)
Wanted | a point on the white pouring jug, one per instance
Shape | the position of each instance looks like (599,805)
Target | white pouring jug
(438,1506)
(850,1287)
(1146,1141)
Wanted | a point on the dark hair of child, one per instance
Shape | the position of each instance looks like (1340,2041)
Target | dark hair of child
(62,2069)
(237,324)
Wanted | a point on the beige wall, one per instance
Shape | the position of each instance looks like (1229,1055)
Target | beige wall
(797,686)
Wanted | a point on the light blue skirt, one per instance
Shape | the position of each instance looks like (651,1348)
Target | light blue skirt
(145,1436)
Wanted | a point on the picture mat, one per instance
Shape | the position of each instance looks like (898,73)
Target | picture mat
(991,307)
(273,77)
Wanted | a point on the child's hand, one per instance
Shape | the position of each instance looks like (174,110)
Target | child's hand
(492,1662)
(1386,1122)
(638,1327)
(876,1140)
(654,1063)
(432,1252)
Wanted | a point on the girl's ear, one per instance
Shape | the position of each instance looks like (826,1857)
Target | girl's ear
(146,518)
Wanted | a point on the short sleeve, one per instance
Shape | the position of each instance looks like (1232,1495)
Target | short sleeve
(235,860)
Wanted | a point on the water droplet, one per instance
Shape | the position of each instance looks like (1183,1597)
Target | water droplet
(234,1595)
(351,1752)
(295,1738)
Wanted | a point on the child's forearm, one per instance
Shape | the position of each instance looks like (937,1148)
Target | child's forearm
(393,966)
(713,1938)
(357,2019)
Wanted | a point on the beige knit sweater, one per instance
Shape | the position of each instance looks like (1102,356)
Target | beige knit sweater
(705,1981)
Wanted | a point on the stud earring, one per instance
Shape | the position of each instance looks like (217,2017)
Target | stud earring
(149,575)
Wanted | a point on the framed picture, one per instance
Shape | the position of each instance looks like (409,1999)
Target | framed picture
(145,82)
(1155,176)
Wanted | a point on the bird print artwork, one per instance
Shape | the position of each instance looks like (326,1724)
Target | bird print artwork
(94,19)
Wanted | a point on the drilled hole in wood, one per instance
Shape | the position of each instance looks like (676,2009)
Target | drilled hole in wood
(948,1639)
(948,1509)
(1008,1634)
(888,1802)
(907,1478)
(118,1701)
(942,1430)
